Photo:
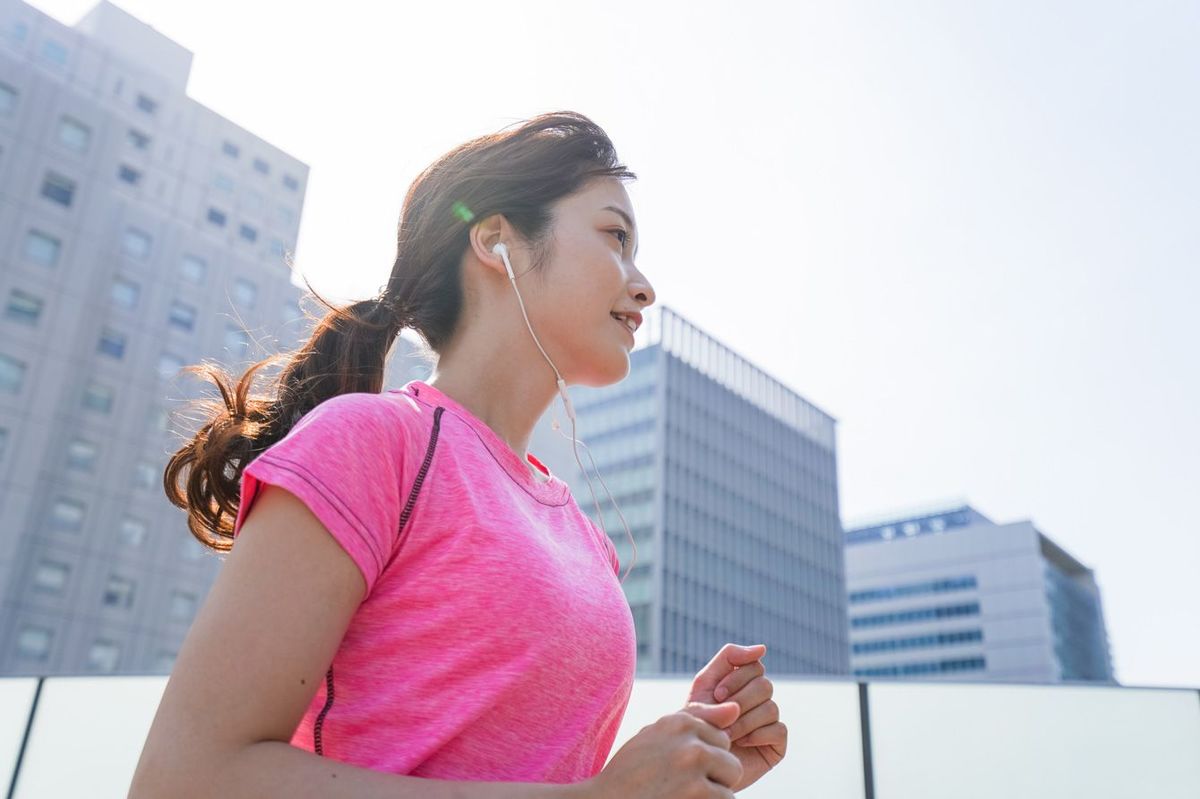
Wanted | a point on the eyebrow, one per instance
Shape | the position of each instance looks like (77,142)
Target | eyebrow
(629,222)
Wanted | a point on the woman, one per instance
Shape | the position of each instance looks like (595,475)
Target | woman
(415,609)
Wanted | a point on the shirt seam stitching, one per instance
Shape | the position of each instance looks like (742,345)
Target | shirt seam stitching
(347,515)
(488,449)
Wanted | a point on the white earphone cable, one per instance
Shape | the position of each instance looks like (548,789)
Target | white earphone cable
(502,249)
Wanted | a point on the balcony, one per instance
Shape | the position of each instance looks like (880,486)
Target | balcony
(847,740)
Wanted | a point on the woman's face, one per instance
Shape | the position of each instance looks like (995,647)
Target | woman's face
(588,276)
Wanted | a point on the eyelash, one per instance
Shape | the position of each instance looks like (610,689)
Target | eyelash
(624,233)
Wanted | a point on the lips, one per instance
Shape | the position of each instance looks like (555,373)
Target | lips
(621,324)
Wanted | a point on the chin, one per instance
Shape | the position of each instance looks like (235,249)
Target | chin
(607,370)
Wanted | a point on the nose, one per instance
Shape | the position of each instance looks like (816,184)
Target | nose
(641,290)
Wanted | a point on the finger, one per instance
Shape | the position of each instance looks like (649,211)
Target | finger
(724,768)
(723,662)
(758,691)
(773,735)
(714,719)
(732,683)
(761,716)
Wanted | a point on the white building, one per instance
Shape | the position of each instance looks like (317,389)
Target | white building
(951,593)
(139,232)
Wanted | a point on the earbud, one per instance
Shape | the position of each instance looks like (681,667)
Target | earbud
(501,249)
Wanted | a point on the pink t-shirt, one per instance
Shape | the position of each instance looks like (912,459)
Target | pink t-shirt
(494,641)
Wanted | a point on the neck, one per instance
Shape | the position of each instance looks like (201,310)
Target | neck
(505,392)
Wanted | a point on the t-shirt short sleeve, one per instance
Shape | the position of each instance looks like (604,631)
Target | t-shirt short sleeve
(344,460)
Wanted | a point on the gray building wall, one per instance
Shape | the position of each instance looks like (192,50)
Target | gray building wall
(113,275)
(728,482)
(951,594)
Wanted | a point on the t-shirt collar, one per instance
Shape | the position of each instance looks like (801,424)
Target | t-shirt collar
(553,490)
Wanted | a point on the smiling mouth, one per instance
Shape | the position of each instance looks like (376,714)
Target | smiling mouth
(622,325)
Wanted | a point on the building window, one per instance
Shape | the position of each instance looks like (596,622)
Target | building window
(137,242)
(132,532)
(34,642)
(129,175)
(216,217)
(261,166)
(244,292)
(103,656)
(112,343)
(182,316)
(223,181)
(145,475)
(286,217)
(193,269)
(138,139)
(169,365)
(54,52)
(237,342)
(66,515)
(3,441)
(23,307)
(291,310)
(230,149)
(8,98)
(183,605)
(290,183)
(58,188)
(248,233)
(164,661)
(81,455)
(51,576)
(147,104)
(125,293)
(98,397)
(12,374)
(118,593)
(74,134)
(42,248)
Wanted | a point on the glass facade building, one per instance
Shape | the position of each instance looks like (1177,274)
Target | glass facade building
(949,592)
(728,482)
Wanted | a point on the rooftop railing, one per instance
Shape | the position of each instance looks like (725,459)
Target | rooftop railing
(82,736)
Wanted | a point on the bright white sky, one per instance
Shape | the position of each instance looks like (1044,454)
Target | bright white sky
(969,231)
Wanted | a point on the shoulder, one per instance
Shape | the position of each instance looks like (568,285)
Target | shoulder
(390,416)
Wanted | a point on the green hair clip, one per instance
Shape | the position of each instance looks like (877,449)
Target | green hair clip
(462,211)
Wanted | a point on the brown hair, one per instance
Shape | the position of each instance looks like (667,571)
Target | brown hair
(518,172)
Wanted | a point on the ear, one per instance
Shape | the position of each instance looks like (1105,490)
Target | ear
(484,235)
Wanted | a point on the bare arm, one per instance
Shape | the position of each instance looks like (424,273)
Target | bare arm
(251,664)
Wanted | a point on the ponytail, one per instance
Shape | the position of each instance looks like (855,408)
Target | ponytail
(346,353)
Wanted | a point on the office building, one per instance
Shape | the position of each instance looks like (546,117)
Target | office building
(728,481)
(950,593)
(139,232)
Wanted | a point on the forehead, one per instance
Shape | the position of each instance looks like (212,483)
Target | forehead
(601,192)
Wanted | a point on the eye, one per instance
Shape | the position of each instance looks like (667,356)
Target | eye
(623,237)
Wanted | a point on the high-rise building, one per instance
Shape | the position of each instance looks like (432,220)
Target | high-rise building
(728,481)
(139,232)
(948,592)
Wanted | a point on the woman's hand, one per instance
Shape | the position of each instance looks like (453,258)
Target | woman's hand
(683,755)
(759,738)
